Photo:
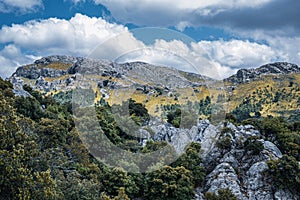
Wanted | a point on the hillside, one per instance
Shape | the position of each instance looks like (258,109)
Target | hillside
(77,128)
(270,90)
(45,156)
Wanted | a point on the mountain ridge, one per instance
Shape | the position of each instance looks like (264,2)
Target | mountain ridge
(246,75)
(164,86)
(73,64)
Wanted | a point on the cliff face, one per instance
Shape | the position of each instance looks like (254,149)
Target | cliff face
(233,167)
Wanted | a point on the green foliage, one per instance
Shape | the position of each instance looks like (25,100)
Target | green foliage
(29,107)
(181,116)
(191,161)
(52,132)
(223,194)
(138,112)
(285,172)
(152,146)
(42,155)
(277,130)
(170,183)
(224,143)
(226,130)
(253,145)
(115,179)
(174,117)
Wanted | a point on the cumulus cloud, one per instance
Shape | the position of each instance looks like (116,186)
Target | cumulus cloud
(77,36)
(272,16)
(277,17)
(20,5)
(171,12)
(216,59)
(10,57)
(238,53)
(97,38)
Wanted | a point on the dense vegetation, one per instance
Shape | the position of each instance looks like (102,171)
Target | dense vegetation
(42,155)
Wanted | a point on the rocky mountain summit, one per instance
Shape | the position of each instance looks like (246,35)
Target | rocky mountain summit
(236,167)
(278,68)
(55,73)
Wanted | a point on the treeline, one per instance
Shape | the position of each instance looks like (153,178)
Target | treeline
(42,155)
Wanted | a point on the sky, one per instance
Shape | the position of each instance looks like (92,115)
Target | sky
(214,38)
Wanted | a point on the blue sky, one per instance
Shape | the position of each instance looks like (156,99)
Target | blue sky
(209,37)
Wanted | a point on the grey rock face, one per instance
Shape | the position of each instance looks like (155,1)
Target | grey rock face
(272,149)
(18,87)
(284,195)
(179,138)
(247,75)
(162,77)
(255,184)
(56,58)
(236,169)
(222,177)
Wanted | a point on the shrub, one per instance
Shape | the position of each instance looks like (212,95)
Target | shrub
(223,194)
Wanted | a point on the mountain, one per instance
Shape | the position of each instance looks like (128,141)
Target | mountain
(111,81)
(248,75)
(270,90)
(51,149)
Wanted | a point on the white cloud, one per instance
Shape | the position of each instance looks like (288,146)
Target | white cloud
(117,46)
(11,57)
(20,5)
(289,45)
(77,36)
(216,59)
(76,1)
(170,12)
(95,37)
(237,53)
(220,59)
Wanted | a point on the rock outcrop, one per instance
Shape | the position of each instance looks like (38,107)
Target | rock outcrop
(247,75)
(238,169)
(59,72)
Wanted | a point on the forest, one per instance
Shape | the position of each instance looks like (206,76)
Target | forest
(42,155)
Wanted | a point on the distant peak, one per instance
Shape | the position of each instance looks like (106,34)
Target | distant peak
(246,75)
(56,58)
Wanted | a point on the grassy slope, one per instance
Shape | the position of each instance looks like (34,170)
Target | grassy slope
(263,90)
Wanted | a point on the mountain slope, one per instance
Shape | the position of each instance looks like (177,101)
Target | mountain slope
(271,89)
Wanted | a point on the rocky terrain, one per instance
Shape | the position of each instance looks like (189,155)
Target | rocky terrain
(59,73)
(235,168)
(225,154)
(278,68)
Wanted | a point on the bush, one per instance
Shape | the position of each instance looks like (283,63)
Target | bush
(170,183)
(223,194)
(252,144)
(285,172)
(224,143)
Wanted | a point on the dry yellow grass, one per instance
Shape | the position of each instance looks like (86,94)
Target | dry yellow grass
(56,65)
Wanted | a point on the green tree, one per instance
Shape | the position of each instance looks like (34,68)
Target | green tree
(192,161)
(170,183)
